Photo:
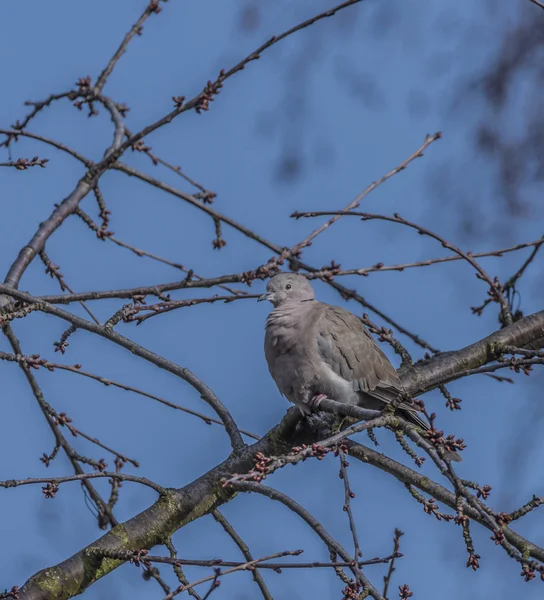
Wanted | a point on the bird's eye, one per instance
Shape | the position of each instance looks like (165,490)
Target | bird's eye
(288,286)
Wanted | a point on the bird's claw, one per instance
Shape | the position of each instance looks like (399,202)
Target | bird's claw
(316,400)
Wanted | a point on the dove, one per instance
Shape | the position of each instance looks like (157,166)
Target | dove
(316,350)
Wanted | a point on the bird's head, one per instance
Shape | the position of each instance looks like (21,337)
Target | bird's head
(288,287)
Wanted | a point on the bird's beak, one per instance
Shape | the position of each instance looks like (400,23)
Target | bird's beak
(267,296)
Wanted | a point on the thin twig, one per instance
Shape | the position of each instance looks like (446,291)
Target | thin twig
(348,495)
(495,288)
(257,577)
(11,483)
(315,525)
(35,361)
(391,570)
(109,333)
(136,29)
(355,203)
(242,567)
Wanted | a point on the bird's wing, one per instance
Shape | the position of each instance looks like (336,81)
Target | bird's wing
(348,348)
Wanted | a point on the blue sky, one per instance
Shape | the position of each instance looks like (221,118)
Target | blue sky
(349,99)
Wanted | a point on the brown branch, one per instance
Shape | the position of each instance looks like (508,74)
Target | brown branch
(44,231)
(421,481)
(22,164)
(182,372)
(53,271)
(202,100)
(39,106)
(229,529)
(160,308)
(177,568)
(247,278)
(35,361)
(330,542)
(104,513)
(12,135)
(11,483)
(269,566)
(391,570)
(348,495)
(151,290)
(355,203)
(136,29)
(495,288)
(327,271)
(242,567)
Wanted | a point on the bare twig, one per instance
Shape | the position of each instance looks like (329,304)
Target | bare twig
(245,566)
(391,570)
(355,203)
(136,29)
(495,287)
(11,483)
(330,542)
(257,577)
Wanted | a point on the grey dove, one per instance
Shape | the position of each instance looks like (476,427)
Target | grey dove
(316,350)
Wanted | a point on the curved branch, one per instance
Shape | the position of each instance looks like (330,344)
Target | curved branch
(107,332)
(330,542)
(11,483)
(425,484)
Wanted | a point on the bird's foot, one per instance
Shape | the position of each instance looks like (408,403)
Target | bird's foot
(316,400)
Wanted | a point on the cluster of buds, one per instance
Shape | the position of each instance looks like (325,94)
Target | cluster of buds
(84,84)
(453,403)
(178,101)
(62,344)
(62,419)
(264,271)
(207,197)
(516,365)
(329,271)
(50,490)
(473,561)
(431,508)
(138,557)
(483,491)
(315,451)
(351,591)
(498,536)
(53,271)
(212,89)
(47,458)
(461,519)
(140,146)
(261,468)
(22,164)
(503,518)
(528,573)
(404,592)
(449,443)
(35,362)
(154,7)
(218,242)
(100,465)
